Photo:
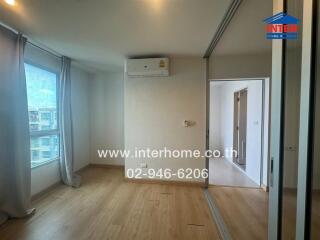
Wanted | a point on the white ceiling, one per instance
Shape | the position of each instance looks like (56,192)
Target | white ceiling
(246,31)
(102,33)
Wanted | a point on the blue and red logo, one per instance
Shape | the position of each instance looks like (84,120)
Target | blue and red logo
(282,26)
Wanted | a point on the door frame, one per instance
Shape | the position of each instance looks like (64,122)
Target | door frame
(265,81)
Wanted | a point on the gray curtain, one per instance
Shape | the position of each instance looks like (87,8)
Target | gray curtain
(15,166)
(65,121)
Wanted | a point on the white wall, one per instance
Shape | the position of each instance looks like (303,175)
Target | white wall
(214,118)
(155,109)
(240,66)
(80,81)
(107,116)
(44,176)
(225,123)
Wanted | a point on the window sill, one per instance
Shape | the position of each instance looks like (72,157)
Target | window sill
(44,163)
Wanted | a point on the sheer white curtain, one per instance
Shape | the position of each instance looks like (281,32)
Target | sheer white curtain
(15,167)
(65,121)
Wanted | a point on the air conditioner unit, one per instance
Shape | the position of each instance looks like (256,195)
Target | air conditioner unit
(148,67)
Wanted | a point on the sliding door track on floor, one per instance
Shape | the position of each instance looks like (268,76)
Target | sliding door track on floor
(223,230)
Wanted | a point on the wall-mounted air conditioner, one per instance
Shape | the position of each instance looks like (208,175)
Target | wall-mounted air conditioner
(147,67)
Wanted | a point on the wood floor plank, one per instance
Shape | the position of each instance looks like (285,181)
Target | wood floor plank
(244,211)
(108,207)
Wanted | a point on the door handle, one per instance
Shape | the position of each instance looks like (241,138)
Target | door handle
(271,172)
(242,149)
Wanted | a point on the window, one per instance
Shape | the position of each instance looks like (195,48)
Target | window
(46,116)
(33,116)
(44,127)
(34,127)
(45,141)
(42,106)
(35,143)
(34,154)
(46,154)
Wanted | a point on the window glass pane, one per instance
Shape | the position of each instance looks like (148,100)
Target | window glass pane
(44,149)
(42,98)
(42,105)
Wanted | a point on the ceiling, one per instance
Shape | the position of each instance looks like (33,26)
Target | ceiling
(246,31)
(102,33)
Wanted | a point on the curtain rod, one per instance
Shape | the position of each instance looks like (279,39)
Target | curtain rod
(31,42)
(45,49)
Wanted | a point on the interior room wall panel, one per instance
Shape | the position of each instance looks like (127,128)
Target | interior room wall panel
(155,109)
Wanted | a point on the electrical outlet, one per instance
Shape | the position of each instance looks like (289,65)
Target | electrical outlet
(290,148)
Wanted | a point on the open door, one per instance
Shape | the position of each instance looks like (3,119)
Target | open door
(240,127)
(236,126)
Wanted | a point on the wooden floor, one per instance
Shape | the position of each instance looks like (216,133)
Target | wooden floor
(107,207)
(315,215)
(244,211)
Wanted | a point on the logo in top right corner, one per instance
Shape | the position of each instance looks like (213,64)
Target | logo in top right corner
(282,26)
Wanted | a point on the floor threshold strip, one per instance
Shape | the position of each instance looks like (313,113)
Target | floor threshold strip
(223,230)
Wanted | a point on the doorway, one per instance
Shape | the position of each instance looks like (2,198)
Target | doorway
(239,123)
(238,119)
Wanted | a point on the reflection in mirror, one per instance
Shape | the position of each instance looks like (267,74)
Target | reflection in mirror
(291,126)
(315,196)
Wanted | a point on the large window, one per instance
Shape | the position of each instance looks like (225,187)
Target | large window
(43,107)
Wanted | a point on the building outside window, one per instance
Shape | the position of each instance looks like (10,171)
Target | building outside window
(43,107)
(45,141)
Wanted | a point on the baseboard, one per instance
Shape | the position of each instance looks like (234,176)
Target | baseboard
(148,181)
(106,166)
(82,169)
(165,182)
(263,187)
(45,191)
(54,185)
(229,186)
(245,173)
